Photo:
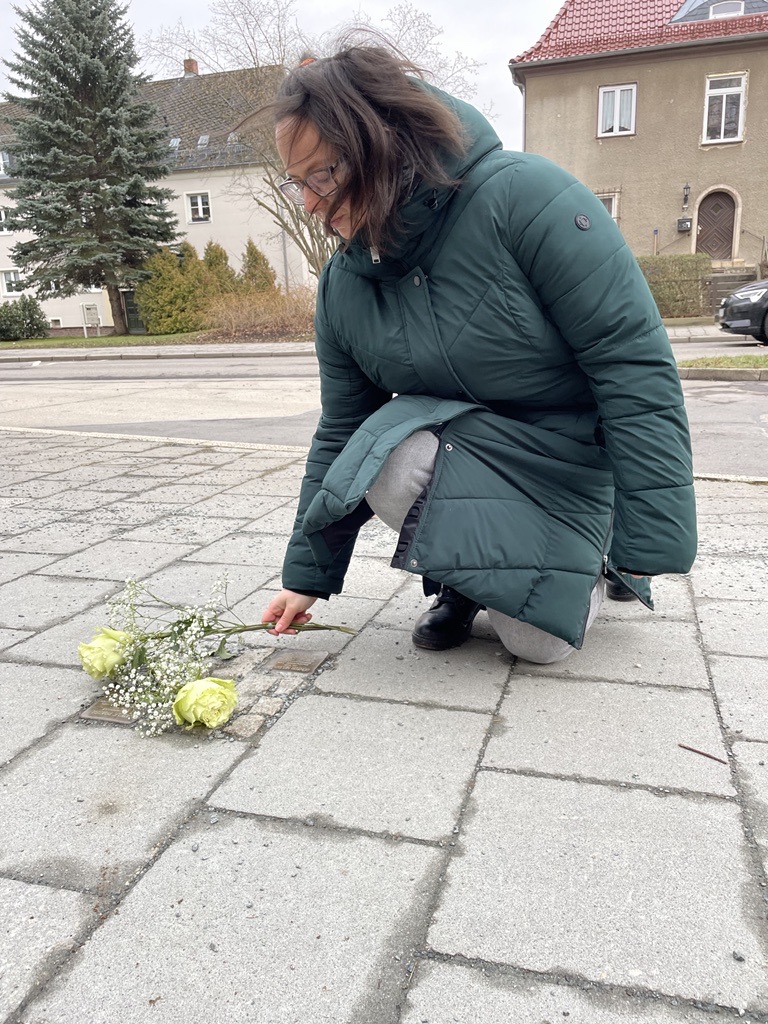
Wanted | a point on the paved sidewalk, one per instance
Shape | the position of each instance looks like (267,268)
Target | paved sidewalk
(382,834)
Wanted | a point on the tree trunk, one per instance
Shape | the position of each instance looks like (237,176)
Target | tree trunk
(116,304)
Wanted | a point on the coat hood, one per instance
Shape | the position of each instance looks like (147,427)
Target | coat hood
(425,207)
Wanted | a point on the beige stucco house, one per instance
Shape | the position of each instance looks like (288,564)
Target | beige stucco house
(661,107)
(212,168)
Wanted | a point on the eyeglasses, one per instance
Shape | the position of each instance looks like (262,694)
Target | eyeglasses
(321,182)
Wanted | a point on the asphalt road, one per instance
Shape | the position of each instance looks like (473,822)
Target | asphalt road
(277,401)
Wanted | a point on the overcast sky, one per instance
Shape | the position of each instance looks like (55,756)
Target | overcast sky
(491,34)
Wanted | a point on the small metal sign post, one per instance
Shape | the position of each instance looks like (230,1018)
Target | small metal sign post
(91,318)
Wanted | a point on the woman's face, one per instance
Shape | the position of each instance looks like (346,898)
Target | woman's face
(304,153)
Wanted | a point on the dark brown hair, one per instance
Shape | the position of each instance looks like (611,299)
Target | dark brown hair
(387,128)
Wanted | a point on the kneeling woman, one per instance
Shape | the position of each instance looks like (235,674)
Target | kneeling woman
(538,436)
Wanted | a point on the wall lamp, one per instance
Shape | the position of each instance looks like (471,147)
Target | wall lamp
(686,195)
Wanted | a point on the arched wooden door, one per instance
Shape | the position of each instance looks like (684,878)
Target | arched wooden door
(717,214)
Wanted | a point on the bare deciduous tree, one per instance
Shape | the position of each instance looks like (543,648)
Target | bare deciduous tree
(265,33)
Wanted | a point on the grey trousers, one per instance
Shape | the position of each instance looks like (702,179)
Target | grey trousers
(404,476)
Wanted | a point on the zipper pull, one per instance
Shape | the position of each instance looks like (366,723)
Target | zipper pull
(375,258)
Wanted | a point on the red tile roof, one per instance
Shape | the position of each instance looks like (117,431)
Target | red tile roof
(584,27)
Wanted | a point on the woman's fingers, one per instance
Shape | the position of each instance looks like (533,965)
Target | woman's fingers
(287,609)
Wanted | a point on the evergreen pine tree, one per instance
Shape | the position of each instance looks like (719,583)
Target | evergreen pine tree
(256,269)
(86,152)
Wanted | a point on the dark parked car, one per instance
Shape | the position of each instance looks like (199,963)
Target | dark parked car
(746,311)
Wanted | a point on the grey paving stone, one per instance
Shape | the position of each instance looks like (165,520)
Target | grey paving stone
(376,541)
(17,476)
(245,726)
(10,637)
(174,494)
(369,765)
(20,518)
(37,924)
(741,685)
(33,489)
(672,600)
(58,645)
(171,471)
(610,731)
(119,559)
(260,923)
(447,993)
(735,627)
(384,663)
(662,651)
(279,520)
(262,550)
(123,514)
(191,582)
(16,563)
(63,537)
(729,491)
(731,538)
(98,473)
(269,484)
(131,483)
(734,579)
(402,610)
(108,798)
(78,501)
(752,766)
(237,506)
(36,602)
(185,529)
(34,699)
(618,886)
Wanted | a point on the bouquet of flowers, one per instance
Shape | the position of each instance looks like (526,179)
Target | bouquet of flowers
(157,666)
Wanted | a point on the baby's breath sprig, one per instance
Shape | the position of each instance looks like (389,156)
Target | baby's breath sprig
(155,656)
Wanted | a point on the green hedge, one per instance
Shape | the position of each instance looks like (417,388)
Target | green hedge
(679,283)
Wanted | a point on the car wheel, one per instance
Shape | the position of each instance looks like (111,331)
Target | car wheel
(762,334)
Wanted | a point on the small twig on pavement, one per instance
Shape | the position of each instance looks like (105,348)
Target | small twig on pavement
(712,757)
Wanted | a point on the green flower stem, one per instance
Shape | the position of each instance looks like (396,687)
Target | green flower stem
(247,628)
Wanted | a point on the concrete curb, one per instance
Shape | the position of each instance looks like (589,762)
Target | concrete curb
(161,352)
(721,373)
(291,449)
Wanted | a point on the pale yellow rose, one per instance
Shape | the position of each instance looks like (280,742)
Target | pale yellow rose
(209,701)
(104,653)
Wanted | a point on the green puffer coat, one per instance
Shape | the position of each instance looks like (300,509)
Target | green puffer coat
(512,320)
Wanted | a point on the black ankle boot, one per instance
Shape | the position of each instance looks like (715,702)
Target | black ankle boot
(448,622)
(618,591)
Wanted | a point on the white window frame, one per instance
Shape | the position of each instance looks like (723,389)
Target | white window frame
(726,14)
(603,92)
(191,218)
(3,218)
(712,91)
(55,322)
(612,206)
(4,278)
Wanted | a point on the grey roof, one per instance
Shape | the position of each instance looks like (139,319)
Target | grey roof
(194,106)
(698,10)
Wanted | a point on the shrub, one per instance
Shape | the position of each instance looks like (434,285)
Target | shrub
(263,314)
(172,300)
(23,318)
(256,270)
(679,283)
(220,277)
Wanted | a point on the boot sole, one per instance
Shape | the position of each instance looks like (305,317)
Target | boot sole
(437,645)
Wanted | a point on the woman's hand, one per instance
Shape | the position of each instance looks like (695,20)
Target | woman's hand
(286,608)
